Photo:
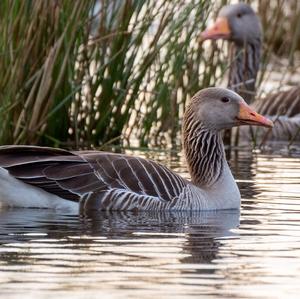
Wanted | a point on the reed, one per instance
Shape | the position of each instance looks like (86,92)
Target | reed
(69,78)
(39,42)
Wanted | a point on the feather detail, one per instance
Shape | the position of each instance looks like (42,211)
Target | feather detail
(95,179)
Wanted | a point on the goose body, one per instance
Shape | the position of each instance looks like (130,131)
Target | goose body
(42,177)
(105,181)
(239,24)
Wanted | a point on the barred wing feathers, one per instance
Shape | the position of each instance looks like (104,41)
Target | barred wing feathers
(98,180)
(285,103)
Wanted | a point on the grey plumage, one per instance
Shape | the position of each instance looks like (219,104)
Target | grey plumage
(244,69)
(285,103)
(92,178)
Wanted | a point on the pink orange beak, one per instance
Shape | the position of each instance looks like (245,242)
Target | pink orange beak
(247,116)
(220,29)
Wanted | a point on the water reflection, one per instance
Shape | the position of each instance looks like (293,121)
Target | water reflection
(129,247)
(19,225)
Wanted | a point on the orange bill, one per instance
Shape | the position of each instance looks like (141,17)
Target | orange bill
(220,29)
(248,116)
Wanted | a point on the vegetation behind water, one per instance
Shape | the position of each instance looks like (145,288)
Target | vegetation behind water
(73,78)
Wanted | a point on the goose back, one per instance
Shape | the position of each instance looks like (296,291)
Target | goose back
(281,103)
(96,180)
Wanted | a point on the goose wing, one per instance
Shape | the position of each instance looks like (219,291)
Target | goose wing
(285,103)
(98,180)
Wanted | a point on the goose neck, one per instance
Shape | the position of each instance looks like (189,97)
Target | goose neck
(245,61)
(204,152)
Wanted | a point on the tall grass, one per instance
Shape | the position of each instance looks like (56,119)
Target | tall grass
(141,67)
(73,78)
(39,42)
(69,78)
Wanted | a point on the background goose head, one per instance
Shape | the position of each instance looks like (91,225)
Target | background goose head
(238,23)
(219,108)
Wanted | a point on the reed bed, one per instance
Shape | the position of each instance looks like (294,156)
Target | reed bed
(82,74)
(39,43)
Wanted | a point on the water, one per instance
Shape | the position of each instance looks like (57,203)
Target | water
(226,254)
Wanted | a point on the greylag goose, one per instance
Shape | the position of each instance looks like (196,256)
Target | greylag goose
(32,176)
(239,24)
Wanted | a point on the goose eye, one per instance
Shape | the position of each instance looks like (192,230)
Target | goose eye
(225,100)
(239,15)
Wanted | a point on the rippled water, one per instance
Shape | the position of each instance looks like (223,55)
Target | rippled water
(226,254)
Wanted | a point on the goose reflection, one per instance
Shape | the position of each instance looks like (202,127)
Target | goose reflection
(197,232)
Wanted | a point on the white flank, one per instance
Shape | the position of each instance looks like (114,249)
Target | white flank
(15,193)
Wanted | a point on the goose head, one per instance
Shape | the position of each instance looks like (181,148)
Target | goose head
(210,111)
(238,23)
(219,108)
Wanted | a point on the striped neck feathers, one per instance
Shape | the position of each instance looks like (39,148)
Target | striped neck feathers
(204,151)
(245,61)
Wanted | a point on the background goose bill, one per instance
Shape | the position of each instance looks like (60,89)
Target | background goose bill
(247,116)
(220,29)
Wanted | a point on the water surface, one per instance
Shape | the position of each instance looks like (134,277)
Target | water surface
(225,254)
